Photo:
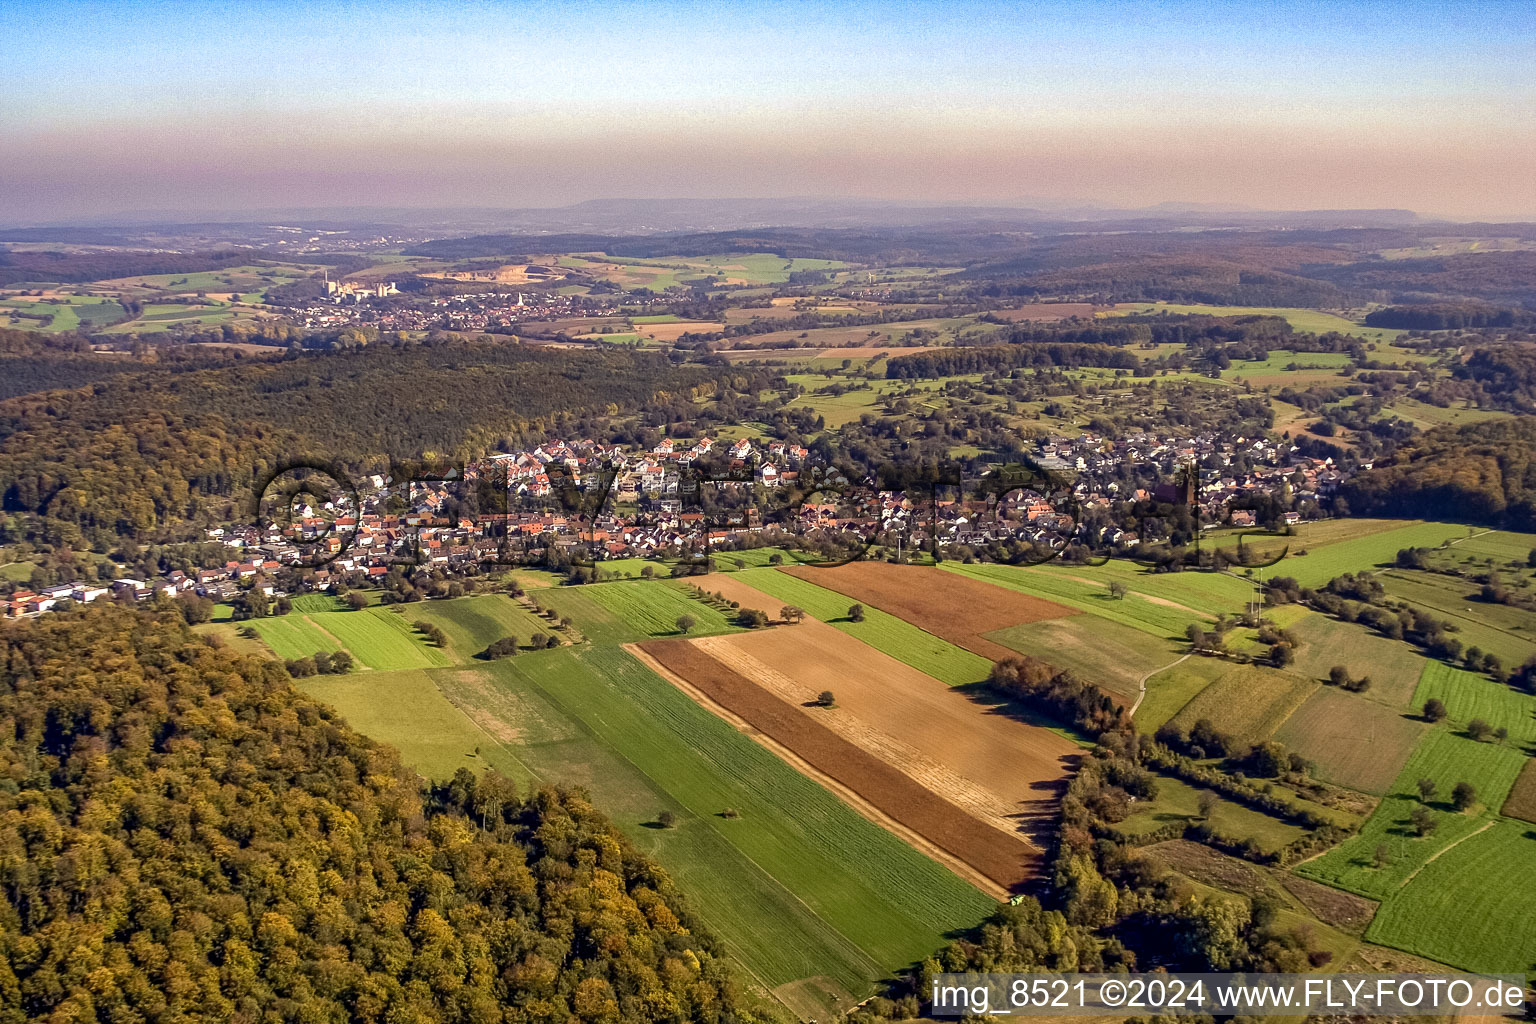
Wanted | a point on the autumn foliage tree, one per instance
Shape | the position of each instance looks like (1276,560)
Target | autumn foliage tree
(184,836)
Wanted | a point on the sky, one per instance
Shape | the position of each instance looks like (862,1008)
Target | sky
(108,108)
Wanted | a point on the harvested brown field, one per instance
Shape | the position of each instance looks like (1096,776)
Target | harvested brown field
(997,768)
(1354,742)
(1522,798)
(950,606)
(1007,860)
(1048,311)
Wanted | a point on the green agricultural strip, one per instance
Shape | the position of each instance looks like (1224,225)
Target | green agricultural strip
(1455,911)
(1448,758)
(814,902)
(884,632)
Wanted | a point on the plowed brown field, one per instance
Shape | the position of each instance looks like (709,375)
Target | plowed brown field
(1008,860)
(950,606)
(998,768)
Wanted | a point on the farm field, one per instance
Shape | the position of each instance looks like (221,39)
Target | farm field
(1162,604)
(1447,758)
(1099,651)
(1469,695)
(1367,551)
(1508,632)
(1174,687)
(65,313)
(473,623)
(815,901)
(1004,859)
(1306,320)
(651,609)
(1249,702)
(1455,911)
(406,710)
(294,636)
(953,607)
(880,630)
(990,764)
(1522,797)
(1355,743)
(1177,801)
(1394,667)
(1427,417)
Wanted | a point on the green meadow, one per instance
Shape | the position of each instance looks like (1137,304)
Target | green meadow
(1448,758)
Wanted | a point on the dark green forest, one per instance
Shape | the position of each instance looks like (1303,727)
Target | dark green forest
(184,837)
(145,453)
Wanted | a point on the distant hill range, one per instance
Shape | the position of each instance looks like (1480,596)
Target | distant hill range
(651,216)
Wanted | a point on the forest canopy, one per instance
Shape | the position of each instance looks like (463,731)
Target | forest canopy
(185,837)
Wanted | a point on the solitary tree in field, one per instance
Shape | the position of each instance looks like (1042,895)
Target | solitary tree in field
(356,601)
(1117,590)
(1426,789)
(1207,803)
(789,613)
(1479,729)
(685,623)
(666,819)
(825,698)
(855,613)
(1423,822)
(1463,796)
(1501,734)
(1383,855)
(1338,675)
(1434,709)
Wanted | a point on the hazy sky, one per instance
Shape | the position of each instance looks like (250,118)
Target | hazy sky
(198,106)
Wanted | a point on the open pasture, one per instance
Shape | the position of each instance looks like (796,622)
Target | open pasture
(1248,702)
(1448,758)
(880,630)
(1355,743)
(1372,545)
(1502,630)
(1311,321)
(990,764)
(473,623)
(1456,910)
(1393,666)
(1469,695)
(1006,860)
(1178,801)
(1108,654)
(406,710)
(1174,687)
(955,608)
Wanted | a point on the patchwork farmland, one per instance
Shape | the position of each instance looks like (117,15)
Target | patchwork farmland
(915,756)
(814,901)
